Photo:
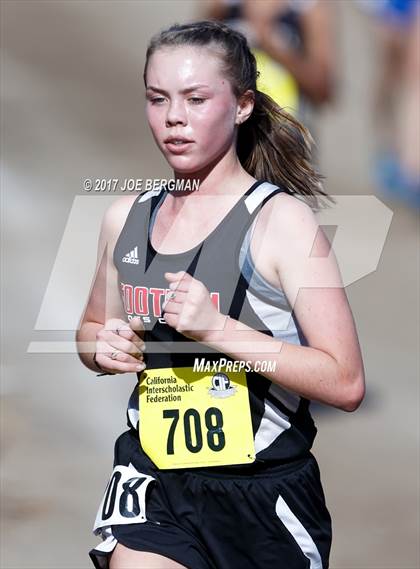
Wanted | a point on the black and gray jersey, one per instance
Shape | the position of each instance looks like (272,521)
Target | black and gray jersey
(282,424)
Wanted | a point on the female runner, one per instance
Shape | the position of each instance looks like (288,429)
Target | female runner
(228,304)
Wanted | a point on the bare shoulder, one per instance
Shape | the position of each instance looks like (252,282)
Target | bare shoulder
(287,235)
(116,214)
(119,208)
(285,215)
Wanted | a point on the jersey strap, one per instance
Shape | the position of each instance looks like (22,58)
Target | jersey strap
(254,202)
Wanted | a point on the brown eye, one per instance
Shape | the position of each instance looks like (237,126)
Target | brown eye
(196,100)
(156,100)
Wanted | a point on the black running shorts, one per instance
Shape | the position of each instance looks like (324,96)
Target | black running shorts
(256,517)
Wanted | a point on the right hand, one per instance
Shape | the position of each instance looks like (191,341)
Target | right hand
(124,340)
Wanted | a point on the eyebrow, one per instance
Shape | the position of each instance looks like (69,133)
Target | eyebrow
(184,91)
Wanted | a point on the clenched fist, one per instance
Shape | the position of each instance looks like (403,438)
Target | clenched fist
(120,346)
(189,308)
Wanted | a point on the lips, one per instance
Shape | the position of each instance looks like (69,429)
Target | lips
(176,140)
(177,144)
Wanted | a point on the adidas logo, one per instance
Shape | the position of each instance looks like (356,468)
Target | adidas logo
(131,257)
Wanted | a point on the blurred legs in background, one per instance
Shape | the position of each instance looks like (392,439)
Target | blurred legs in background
(396,104)
(409,138)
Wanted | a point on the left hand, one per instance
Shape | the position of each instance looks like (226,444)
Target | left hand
(190,310)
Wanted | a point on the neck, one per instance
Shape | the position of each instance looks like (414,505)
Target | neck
(225,176)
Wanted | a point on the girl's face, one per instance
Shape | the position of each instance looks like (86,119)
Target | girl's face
(189,99)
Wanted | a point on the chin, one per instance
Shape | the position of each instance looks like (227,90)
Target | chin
(184,166)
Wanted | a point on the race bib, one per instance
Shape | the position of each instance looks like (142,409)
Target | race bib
(124,498)
(192,419)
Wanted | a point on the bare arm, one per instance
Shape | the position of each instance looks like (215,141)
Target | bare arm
(289,241)
(104,313)
(314,68)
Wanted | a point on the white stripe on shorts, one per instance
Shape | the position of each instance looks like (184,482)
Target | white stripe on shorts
(299,533)
(109,541)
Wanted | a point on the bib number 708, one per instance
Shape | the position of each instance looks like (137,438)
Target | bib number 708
(213,419)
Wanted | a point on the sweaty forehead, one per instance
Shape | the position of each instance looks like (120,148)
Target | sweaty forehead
(184,65)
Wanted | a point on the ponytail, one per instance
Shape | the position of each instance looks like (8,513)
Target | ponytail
(275,146)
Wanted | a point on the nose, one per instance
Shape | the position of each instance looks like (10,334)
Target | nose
(176,114)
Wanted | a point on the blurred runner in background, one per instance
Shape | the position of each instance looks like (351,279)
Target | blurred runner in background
(292,41)
(396,109)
